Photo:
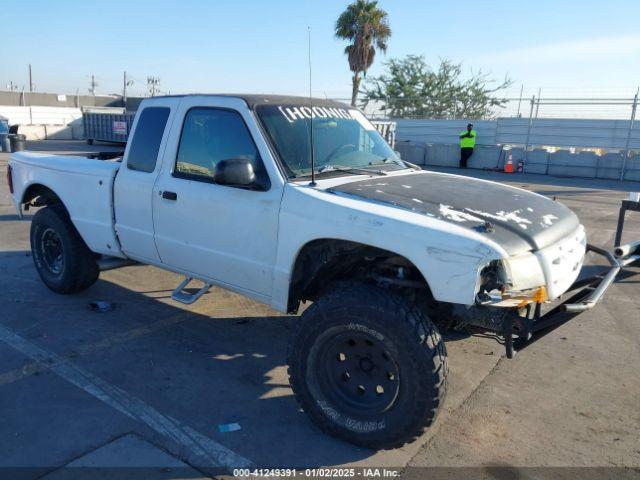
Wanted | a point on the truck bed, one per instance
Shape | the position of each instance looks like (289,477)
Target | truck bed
(85,187)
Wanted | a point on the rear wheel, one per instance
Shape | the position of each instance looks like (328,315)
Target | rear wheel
(367,367)
(64,262)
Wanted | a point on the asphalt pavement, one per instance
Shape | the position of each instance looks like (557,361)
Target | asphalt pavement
(151,384)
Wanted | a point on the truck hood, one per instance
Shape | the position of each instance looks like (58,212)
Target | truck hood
(516,219)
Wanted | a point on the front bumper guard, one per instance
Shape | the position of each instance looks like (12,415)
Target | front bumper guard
(521,331)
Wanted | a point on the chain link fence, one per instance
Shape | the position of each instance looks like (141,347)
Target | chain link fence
(585,103)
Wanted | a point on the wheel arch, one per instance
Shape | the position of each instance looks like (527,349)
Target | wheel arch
(323,261)
(38,195)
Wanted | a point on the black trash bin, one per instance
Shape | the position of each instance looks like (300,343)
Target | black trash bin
(18,142)
(5,145)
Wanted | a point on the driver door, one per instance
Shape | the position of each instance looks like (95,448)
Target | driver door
(226,235)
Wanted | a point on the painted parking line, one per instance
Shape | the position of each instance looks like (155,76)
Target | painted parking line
(203,451)
(35,367)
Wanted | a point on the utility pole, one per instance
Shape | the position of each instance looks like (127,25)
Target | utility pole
(125,83)
(30,79)
(93,85)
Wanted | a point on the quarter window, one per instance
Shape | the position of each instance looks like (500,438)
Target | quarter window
(210,135)
(143,153)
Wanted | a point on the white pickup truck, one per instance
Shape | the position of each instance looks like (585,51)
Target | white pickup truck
(220,189)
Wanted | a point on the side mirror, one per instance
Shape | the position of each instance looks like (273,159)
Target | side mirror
(235,172)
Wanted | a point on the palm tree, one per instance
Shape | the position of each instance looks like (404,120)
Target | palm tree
(366,27)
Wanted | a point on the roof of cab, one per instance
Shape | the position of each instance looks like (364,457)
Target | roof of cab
(253,99)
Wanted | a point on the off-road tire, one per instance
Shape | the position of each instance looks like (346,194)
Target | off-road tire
(406,335)
(78,269)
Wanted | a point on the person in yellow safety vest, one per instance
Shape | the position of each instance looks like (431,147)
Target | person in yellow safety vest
(467,142)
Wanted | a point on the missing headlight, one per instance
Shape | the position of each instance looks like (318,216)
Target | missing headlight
(493,277)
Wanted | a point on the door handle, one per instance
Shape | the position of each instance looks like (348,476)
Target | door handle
(170,195)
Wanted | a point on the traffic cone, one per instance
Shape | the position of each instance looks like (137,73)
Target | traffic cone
(508,167)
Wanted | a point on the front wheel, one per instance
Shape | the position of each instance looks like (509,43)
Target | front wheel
(367,367)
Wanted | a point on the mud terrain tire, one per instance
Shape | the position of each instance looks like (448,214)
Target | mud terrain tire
(367,366)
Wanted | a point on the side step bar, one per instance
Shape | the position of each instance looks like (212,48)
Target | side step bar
(179,295)
(111,263)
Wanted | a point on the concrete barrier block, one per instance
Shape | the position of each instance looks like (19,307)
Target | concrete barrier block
(442,155)
(485,157)
(537,162)
(609,166)
(563,163)
(33,132)
(411,151)
(632,169)
(58,132)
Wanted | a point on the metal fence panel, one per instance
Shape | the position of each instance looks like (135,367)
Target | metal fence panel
(569,132)
(444,131)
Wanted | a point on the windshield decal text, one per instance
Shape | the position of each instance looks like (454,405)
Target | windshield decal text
(293,114)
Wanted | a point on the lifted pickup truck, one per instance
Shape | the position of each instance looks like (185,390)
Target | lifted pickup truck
(219,189)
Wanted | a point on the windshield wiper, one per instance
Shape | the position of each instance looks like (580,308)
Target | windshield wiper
(342,168)
(387,160)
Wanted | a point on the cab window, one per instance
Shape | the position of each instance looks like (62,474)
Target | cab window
(210,135)
(143,153)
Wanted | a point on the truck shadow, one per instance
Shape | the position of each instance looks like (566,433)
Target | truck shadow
(15,218)
(221,361)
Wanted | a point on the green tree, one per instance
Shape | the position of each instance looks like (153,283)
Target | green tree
(366,27)
(411,88)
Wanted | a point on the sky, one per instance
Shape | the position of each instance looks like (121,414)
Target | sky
(261,46)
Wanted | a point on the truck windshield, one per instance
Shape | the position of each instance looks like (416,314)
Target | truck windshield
(344,140)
